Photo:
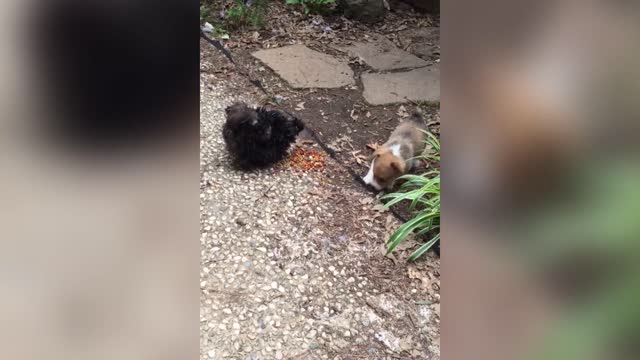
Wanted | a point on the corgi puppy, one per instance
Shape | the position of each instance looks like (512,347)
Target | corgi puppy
(394,158)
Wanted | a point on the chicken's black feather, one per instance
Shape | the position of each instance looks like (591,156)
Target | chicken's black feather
(258,138)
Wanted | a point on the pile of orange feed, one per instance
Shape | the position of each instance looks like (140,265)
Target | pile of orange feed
(307,159)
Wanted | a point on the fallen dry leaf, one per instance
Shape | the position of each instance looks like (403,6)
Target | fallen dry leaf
(300,106)
(380,208)
(402,112)
(366,200)
(305,142)
(373,146)
(407,244)
(391,256)
(360,159)
(390,222)
(414,273)
(406,344)
(368,218)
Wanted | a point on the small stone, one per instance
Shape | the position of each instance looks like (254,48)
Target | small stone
(279,355)
(211,354)
(312,334)
(207,28)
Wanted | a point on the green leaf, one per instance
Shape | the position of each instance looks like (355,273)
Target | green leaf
(427,229)
(407,228)
(424,248)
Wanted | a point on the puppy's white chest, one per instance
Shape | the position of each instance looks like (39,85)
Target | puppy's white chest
(369,179)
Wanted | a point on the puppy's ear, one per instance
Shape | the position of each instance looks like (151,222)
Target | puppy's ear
(398,166)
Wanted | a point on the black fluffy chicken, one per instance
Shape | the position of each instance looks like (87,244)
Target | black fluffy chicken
(258,137)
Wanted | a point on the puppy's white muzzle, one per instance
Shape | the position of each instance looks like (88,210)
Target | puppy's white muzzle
(369,179)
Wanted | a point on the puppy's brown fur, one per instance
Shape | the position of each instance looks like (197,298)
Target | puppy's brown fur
(394,158)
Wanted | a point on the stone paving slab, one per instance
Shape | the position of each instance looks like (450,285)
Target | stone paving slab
(416,85)
(304,68)
(382,54)
(423,41)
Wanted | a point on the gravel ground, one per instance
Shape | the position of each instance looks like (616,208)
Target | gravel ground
(283,276)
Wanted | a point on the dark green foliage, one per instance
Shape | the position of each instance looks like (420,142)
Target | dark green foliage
(312,6)
(242,15)
(236,14)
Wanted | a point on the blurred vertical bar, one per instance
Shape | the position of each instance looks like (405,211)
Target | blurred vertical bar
(98,189)
(541,179)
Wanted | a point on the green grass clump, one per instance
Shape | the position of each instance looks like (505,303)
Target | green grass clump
(241,15)
(206,13)
(423,193)
(238,15)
